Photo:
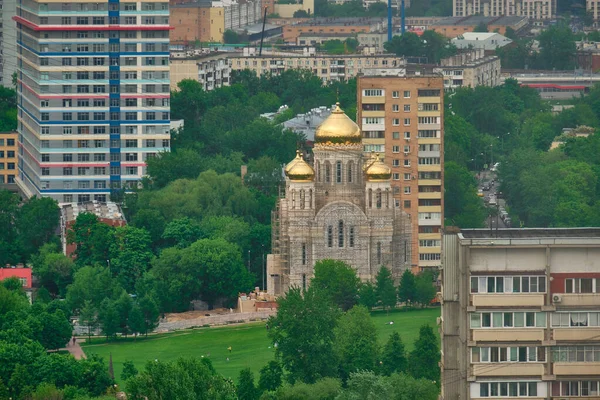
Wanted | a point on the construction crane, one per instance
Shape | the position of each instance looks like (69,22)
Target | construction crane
(262,34)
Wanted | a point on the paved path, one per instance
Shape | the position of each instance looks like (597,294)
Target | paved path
(75,349)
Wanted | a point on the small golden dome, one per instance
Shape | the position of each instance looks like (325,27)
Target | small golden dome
(338,128)
(299,170)
(293,162)
(378,171)
(369,161)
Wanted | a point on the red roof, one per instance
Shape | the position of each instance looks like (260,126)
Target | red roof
(24,273)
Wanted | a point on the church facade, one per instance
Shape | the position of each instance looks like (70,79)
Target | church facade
(341,207)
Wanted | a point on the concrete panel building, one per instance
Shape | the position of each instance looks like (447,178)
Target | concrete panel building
(93,96)
(470,68)
(327,67)
(8,43)
(520,314)
(532,9)
(212,70)
(401,118)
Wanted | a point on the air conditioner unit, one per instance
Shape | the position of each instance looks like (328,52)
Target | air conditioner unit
(556,298)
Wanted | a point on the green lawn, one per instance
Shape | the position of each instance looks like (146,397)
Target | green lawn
(249,343)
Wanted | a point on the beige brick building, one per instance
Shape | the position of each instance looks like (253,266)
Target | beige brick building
(8,157)
(401,117)
(532,9)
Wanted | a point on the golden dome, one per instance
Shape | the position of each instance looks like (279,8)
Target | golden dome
(369,161)
(293,162)
(338,128)
(378,171)
(299,171)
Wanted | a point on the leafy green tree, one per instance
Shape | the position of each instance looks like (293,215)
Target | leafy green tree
(130,255)
(355,344)
(53,269)
(482,27)
(92,238)
(137,322)
(9,248)
(264,174)
(338,281)
(270,377)
(558,48)
(424,359)
(88,316)
(181,379)
(123,304)
(231,37)
(94,284)
(95,378)
(56,330)
(462,207)
(152,221)
(436,46)
(246,390)
(409,45)
(108,317)
(183,163)
(393,355)
(181,232)
(150,312)
(407,291)
(367,296)
(368,385)
(303,330)
(425,290)
(44,214)
(129,370)
(11,300)
(323,389)
(384,288)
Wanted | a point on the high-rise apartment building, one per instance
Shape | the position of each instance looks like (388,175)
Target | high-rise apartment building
(521,314)
(8,157)
(8,45)
(93,95)
(401,118)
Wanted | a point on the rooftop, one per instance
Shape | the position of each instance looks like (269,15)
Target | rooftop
(530,233)
(108,210)
(342,21)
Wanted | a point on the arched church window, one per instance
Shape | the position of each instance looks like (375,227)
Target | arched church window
(303,253)
(387,198)
(327,172)
(302,198)
(351,237)
(310,198)
(293,199)
(341,233)
(370,196)
(378,198)
(379,253)
(318,168)
(338,172)
(330,236)
(350,172)
(303,281)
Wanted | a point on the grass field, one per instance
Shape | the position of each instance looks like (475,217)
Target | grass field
(250,345)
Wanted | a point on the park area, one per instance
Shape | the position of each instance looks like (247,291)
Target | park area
(250,346)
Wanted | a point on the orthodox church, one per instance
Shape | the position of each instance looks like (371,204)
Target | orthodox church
(341,207)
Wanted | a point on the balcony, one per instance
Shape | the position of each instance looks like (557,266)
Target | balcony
(579,300)
(429,168)
(427,99)
(576,368)
(366,114)
(430,222)
(435,113)
(508,369)
(373,99)
(508,335)
(430,208)
(430,182)
(576,334)
(430,195)
(507,300)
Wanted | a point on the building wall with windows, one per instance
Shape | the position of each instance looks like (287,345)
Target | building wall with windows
(8,55)
(401,118)
(8,157)
(532,9)
(521,314)
(93,95)
(327,67)
(470,69)
(212,70)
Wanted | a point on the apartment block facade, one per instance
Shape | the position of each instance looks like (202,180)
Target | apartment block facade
(521,314)
(93,95)
(8,157)
(211,70)
(532,9)
(401,118)
(327,67)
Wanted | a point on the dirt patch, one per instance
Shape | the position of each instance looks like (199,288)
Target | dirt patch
(184,316)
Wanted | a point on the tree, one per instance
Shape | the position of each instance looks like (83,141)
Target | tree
(558,48)
(462,207)
(130,255)
(338,281)
(94,284)
(368,385)
(180,379)
(355,344)
(183,163)
(425,289)
(384,288)
(94,376)
(92,239)
(367,296)
(323,389)
(303,331)
(9,248)
(129,370)
(246,390)
(301,14)
(56,330)
(407,291)
(108,317)
(88,316)
(150,313)
(393,355)
(53,269)
(231,37)
(181,232)
(137,322)
(424,359)
(436,46)
(270,377)
(44,214)
(482,27)
(409,45)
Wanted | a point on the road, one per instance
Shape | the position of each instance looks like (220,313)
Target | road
(484,179)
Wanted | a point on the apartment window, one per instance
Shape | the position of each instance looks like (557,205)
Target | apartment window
(526,319)
(508,389)
(99,157)
(395,94)
(508,354)
(67,171)
(575,319)
(406,189)
(406,121)
(45,116)
(83,157)
(67,116)
(99,184)
(372,92)
(131,170)
(429,92)
(582,285)
(395,107)
(407,163)
(407,108)
(508,284)
(395,149)
(45,171)
(395,135)
(407,135)
(99,170)
(131,156)
(407,94)
(430,243)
